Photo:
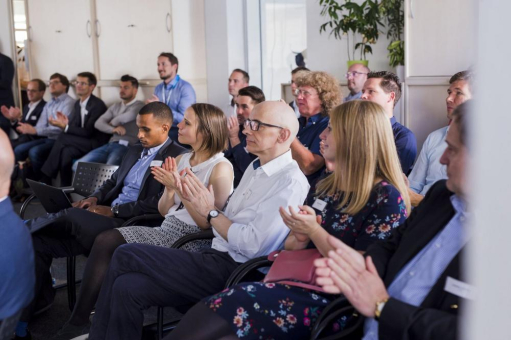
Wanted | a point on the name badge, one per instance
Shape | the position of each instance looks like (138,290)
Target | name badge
(319,204)
(156,163)
(460,288)
(33,118)
(124,142)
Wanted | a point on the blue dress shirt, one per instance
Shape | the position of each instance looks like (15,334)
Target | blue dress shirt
(428,170)
(352,97)
(63,103)
(413,283)
(308,135)
(133,180)
(406,145)
(178,95)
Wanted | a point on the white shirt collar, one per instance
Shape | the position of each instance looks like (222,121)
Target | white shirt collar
(3,198)
(84,103)
(131,102)
(276,164)
(30,105)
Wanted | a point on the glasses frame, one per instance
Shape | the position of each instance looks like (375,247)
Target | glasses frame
(305,94)
(353,74)
(248,123)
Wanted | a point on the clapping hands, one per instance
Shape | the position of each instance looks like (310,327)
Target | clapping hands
(168,175)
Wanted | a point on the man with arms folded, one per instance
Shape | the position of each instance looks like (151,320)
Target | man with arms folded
(384,88)
(427,169)
(175,92)
(410,286)
(141,276)
(119,121)
(37,150)
(132,191)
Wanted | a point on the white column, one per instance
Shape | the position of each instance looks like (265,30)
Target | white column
(490,271)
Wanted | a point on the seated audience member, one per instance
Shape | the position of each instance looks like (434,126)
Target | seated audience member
(17,253)
(141,275)
(132,191)
(356,76)
(38,149)
(30,114)
(174,91)
(119,121)
(427,169)
(79,136)
(384,88)
(316,95)
(294,74)
(237,153)
(404,285)
(7,72)
(204,128)
(237,80)
(360,143)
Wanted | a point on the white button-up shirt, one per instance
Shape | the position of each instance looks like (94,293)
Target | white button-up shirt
(257,227)
(427,169)
(83,110)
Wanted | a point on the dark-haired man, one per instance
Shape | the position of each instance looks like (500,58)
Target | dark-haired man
(384,88)
(237,153)
(37,150)
(118,121)
(237,80)
(175,92)
(132,191)
(427,169)
(30,114)
(79,135)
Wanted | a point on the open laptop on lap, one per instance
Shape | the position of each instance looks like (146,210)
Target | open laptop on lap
(53,199)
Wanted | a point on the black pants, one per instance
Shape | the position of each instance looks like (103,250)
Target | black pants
(66,149)
(67,233)
(141,276)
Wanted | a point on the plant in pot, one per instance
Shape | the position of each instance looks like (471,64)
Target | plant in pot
(392,11)
(361,21)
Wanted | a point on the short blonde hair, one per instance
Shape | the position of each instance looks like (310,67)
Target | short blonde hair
(365,151)
(212,124)
(328,88)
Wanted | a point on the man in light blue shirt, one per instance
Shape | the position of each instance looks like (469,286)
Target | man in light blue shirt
(410,286)
(38,150)
(176,93)
(427,169)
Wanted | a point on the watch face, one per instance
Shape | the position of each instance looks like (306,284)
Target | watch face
(213,213)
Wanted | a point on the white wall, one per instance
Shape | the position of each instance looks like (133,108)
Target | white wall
(325,53)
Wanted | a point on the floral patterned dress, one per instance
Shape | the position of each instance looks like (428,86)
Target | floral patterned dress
(259,310)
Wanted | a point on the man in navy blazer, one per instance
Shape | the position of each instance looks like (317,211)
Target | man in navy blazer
(17,254)
(411,285)
(79,136)
(30,113)
(72,231)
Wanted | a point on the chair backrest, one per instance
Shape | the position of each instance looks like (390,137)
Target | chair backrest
(90,176)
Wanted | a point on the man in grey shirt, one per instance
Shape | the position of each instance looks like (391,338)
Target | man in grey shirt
(118,120)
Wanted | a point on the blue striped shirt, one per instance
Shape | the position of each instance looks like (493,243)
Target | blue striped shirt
(63,103)
(413,283)
(178,95)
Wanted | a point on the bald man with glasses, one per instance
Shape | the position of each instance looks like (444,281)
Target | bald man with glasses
(356,76)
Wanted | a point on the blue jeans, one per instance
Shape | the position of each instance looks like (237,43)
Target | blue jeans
(37,150)
(111,154)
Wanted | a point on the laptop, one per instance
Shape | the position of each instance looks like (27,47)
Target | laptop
(53,199)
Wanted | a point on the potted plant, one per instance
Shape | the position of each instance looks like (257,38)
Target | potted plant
(361,21)
(393,12)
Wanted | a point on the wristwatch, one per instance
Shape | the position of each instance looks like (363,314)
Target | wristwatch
(115,210)
(212,214)
(379,308)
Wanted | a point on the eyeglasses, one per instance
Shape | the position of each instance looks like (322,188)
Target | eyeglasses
(82,83)
(255,124)
(353,74)
(305,94)
(55,82)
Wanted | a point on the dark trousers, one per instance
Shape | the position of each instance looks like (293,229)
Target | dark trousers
(67,233)
(37,150)
(141,276)
(66,149)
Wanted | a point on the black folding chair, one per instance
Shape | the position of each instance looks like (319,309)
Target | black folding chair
(87,179)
